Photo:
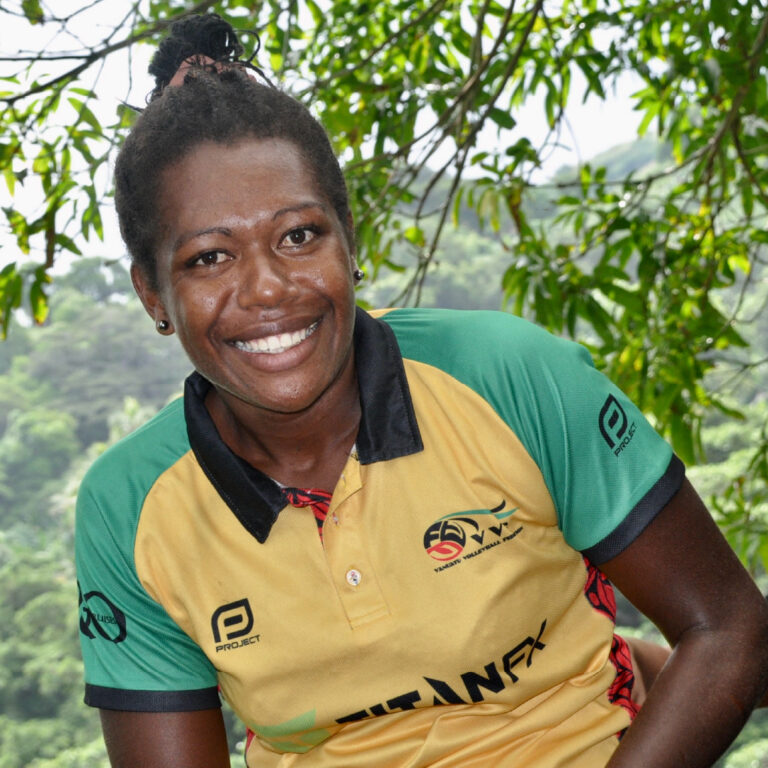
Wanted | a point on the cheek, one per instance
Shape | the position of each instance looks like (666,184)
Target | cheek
(341,289)
(194,307)
(332,279)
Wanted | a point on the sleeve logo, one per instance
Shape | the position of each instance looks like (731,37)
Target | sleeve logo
(231,621)
(99,615)
(614,425)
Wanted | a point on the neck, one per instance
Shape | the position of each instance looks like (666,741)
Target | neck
(306,449)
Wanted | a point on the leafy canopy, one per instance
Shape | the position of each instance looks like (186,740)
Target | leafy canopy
(422,99)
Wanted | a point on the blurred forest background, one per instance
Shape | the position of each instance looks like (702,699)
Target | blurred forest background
(652,253)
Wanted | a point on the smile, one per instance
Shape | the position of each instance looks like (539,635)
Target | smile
(274,345)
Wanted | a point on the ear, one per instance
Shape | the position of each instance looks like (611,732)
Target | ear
(151,300)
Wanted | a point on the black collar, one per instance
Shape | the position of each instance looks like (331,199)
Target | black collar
(388,428)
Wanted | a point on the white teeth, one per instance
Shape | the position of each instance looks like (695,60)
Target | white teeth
(273,345)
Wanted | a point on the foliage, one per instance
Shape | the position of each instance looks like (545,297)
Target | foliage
(433,89)
(754,755)
(41,711)
(37,445)
(84,361)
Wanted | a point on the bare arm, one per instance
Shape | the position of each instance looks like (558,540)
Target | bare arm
(165,739)
(681,573)
(648,659)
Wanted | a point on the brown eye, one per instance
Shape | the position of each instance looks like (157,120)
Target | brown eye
(299,236)
(209,258)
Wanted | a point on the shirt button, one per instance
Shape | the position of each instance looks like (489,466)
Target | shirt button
(353,577)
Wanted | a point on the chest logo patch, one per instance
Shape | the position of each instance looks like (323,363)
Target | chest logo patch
(462,535)
(231,622)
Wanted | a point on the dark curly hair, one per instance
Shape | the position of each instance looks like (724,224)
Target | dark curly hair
(215,104)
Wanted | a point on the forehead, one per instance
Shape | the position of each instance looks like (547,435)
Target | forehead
(232,180)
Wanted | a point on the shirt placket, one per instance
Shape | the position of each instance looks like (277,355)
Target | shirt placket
(347,551)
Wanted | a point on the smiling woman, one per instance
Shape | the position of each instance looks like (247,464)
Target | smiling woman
(385,538)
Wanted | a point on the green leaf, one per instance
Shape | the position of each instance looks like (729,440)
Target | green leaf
(84,113)
(682,439)
(84,92)
(630,300)
(502,118)
(38,301)
(20,228)
(763,551)
(456,211)
(415,235)
(10,179)
(32,10)
(747,197)
(67,243)
(11,285)
(651,111)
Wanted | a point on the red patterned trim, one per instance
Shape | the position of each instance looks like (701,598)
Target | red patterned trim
(599,592)
(314,498)
(620,691)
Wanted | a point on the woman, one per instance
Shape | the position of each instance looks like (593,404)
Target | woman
(378,535)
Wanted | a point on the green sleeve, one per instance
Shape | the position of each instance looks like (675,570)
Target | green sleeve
(607,470)
(136,657)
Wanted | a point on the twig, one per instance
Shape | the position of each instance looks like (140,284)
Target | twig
(754,68)
(96,55)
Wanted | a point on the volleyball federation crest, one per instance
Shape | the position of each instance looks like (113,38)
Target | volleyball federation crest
(449,537)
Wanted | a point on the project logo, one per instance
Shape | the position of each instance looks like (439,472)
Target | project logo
(464,533)
(232,620)
(614,425)
(100,615)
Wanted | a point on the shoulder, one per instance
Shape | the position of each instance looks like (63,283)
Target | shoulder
(461,322)
(458,341)
(124,473)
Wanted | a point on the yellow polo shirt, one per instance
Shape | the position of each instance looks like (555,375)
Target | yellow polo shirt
(451,616)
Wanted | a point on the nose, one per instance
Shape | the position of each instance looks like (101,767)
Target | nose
(263,280)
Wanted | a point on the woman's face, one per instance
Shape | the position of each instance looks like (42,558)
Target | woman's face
(254,272)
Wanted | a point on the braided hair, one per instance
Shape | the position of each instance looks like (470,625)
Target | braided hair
(219,103)
(207,35)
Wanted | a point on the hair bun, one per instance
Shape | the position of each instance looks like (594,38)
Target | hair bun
(202,35)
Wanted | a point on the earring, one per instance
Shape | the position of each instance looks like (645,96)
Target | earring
(162,326)
(358,275)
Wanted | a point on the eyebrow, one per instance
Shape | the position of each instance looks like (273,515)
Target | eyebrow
(185,238)
(300,207)
(199,233)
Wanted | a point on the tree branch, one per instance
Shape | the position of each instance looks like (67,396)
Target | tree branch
(434,8)
(101,53)
(753,60)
